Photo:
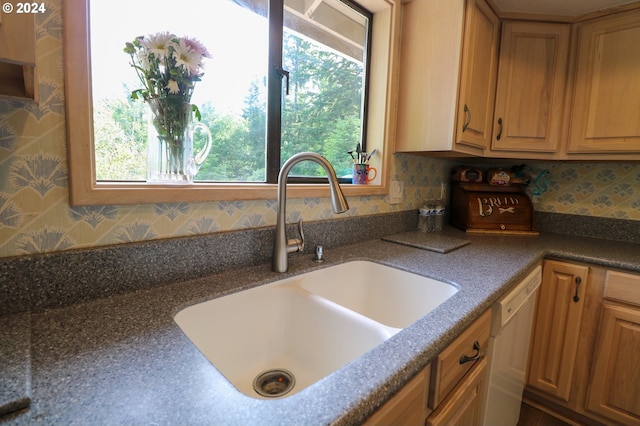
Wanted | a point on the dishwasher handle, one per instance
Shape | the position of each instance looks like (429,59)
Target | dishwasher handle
(476,356)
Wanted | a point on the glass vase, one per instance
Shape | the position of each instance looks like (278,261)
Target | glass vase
(170,151)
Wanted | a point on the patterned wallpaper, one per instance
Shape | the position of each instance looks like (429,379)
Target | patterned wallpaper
(35,215)
(591,189)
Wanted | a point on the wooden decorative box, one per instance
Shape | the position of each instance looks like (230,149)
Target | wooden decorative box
(488,209)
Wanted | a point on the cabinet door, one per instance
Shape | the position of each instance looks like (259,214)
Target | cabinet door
(478,76)
(605,113)
(531,87)
(557,327)
(17,38)
(429,70)
(408,407)
(464,406)
(615,391)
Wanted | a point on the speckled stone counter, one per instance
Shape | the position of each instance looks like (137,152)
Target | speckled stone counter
(15,362)
(123,360)
(52,280)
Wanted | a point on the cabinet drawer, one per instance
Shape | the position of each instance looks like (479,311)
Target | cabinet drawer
(464,406)
(622,287)
(449,367)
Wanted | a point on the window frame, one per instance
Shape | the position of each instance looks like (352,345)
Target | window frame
(84,189)
(275,77)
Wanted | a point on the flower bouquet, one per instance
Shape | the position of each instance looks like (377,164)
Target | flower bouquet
(168,68)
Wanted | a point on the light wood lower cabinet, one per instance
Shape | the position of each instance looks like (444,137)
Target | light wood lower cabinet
(450,390)
(585,361)
(584,365)
(557,327)
(452,364)
(615,383)
(407,407)
(464,406)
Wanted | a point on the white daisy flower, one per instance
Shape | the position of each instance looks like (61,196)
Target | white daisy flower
(173,87)
(158,44)
(166,64)
(143,60)
(185,56)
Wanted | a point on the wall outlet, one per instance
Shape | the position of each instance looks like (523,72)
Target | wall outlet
(396,192)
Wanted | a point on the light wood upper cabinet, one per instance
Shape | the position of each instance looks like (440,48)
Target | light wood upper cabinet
(558,90)
(18,55)
(531,88)
(605,107)
(478,76)
(448,60)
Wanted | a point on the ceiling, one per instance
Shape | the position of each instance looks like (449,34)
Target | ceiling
(557,7)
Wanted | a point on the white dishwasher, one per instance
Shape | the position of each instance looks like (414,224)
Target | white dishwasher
(511,326)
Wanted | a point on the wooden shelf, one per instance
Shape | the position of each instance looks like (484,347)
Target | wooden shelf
(18,56)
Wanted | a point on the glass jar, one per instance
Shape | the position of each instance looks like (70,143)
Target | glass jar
(439,212)
(427,218)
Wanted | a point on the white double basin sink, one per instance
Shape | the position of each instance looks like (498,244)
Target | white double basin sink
(300,329)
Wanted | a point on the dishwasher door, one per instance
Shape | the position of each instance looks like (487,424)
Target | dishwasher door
(511,328)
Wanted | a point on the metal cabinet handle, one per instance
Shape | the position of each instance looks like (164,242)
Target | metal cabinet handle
(467,113)
(476,356)
(578,282)
(500,131)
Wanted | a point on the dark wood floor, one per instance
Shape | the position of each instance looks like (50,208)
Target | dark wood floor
(530,416)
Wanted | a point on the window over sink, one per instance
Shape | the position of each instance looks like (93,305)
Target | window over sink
(232,97)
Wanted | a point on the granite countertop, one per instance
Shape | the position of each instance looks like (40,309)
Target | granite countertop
(123,360)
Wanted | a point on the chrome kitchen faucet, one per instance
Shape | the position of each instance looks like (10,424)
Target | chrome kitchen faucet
(283,246)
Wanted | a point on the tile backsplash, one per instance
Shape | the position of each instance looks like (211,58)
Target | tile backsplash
(35,215)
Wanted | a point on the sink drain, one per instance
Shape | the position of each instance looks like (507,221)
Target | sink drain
(274,383)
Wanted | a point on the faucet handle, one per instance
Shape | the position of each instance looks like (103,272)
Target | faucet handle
(301,241)
(296,244)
